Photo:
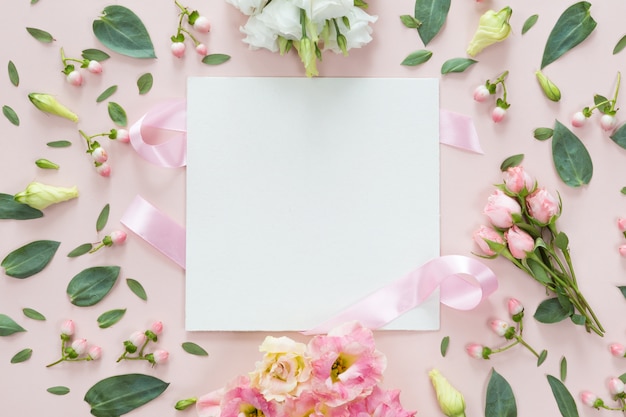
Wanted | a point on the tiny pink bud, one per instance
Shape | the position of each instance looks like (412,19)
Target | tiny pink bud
(202,24)
(607,122)
(481,93)
(617,349)
(474,350)
(118,237)
(99,155)
(621,224)
(201,49)
(498,114)
(515,307)
(75,78)
(94,67)
(160,355)
(622,250)
(104,170)
(137,338)
(67,328)
(616,386)
(588,398)
(123,135)
(499,327)
(178,49)
(157,327)
(95,352)
(80,346)
(578,119)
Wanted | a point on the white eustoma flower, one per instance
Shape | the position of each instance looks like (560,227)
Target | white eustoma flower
(258,35)
(283,17)
(357,36)
(248,7)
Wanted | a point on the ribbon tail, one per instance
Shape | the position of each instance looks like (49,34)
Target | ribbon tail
(458,130)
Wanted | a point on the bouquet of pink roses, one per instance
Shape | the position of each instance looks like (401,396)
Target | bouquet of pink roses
(337,375)
(523,230)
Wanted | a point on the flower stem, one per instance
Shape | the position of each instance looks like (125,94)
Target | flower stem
(56,362)
(527,346)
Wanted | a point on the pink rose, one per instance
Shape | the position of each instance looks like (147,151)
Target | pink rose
(542,205)
(516,178)
(483,234)
(500,208)
(519,242)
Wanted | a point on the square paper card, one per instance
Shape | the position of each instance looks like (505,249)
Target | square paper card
(305,195)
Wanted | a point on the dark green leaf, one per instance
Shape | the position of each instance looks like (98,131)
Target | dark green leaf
(194,349)
(572,27)
(121,30)
(602,102)
(91,285)
(561,241)
(144,83)
(106,93)
(120,394)
(8,326)
(95,55)
(14,77)
(103,218)
(622,377)
(10,114)
(33,314)
(620,45)
(59,144)
(500,401)
(58,390)
(563,367)
(445,342)
(11,209)
(539,273)
(622,288)
(563,398)
(578,319)
(136,288)
(29,259)
(432,14)
(512,161)
(80,250)
(529,23)
(22,356)
(409,21)
(215,59)
(109,318)
(551,311)
(619,136)
(571,158)
(542,357)
(117,114)
(543,133)
(416,58)
(40,35)
(457,65)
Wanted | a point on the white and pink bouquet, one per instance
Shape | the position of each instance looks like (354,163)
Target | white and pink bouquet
(336,375)
(309,26)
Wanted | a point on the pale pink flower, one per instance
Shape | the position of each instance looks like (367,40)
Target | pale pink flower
(156,327)
(94,67)
(515,306)
(345,364)
(122,135)
(578,119)
(616,386)
(68,328)
(94,352)
(202,24)
(519,242)
(481,93)
(118,237)
(622,250)
(542,206)
(380,403)
(208,405)
(75,78)
(482,235)
(499,327)
(137,338)
(160,355)
(500,208)
(621,224)
(308,405)
(588,398)
(474,350)
(498,114)
(80,346)
(516,179)
(99,155)
(617,349)
(244,399)
(607,122)
(202,49)
(104,170)
(178,49)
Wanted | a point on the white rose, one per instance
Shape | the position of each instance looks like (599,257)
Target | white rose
(248,7)
(258,35)
(282,17)
(359,33)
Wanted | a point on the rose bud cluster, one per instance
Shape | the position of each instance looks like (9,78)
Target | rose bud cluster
(621,225)
(135,345)
(195,20)
(98,152)
(615,386)
(607,107)
(483,91)
(75,350)
(74,75)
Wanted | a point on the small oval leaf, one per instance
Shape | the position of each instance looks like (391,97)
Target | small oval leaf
(106,93)
(144,83)
(117,114)
(563,368)
(194,349)
(445,342)
(30,258)
(500,401)
(33,314)
(95,55)
(80,250)
(46,164)
(529,23)
(137,288)
(109,318)
(12,210)
(512,161)
(8,326)
(22,356)
(14,77)
(409,21)
(103,218)
(11,116)
(417,58)
(91,285)
(564,400)
(620,45)
(432,15)
(571,158)
(456,65)
(551,311)
(542,357)
(215,59)
(59,144)
(543,133)
(58,390)
(121,30)
(40,35)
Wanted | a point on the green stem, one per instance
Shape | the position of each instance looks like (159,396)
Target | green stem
(619,79)
(507,347)
(143,347)
(196,42)
(56,362)
(523,342)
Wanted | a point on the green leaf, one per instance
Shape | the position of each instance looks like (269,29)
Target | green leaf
(136,288)
(619,136)
(570,156)
(578,319)
(29,259)
(457,65)
(59,144)
(551,311)
(12,210)
(117,114)
(602,102)
(543,133)
(623,190)
(14,77)
(34,1)
(622,288)
(22,356)
(144,83)
(120,394)
(563,398)
(10,114)
(103,218)
(109,318)
(106,93)
(58,390)
(8,326)
(409,21)
(542,357)
(563,367)
(620,45)
(416,58)
(194,349)
(80,250)
(432,14)
(561,241)
(512,161)
(215,59)
(445,342)
(121,30)
(500,401)
(572,27)
(33,314)
(539,273)
(40,35)
(95,55)
(529,23)
(91,285)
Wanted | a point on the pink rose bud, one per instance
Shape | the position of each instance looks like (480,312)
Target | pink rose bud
(519,242)
(588,398)
(616,386)
(622,250)
(542,205)
(617,349)
(99,155)
(481,93)
(160,355)
(118,237)
(500,208)
(201,49)
(80,346)
(499,327)
(202,24)
(578,119)
(157,327)
(516,178)
(474,350)
(607,122)
(94,67)
(515,307)
(123,135)
(483,234)
(498,114)
(137,338)
(621,224)
(178,49)
(75,78)
(94,352)
(68,328)
(104,170)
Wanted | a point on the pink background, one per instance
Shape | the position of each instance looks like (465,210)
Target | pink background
(589,212)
